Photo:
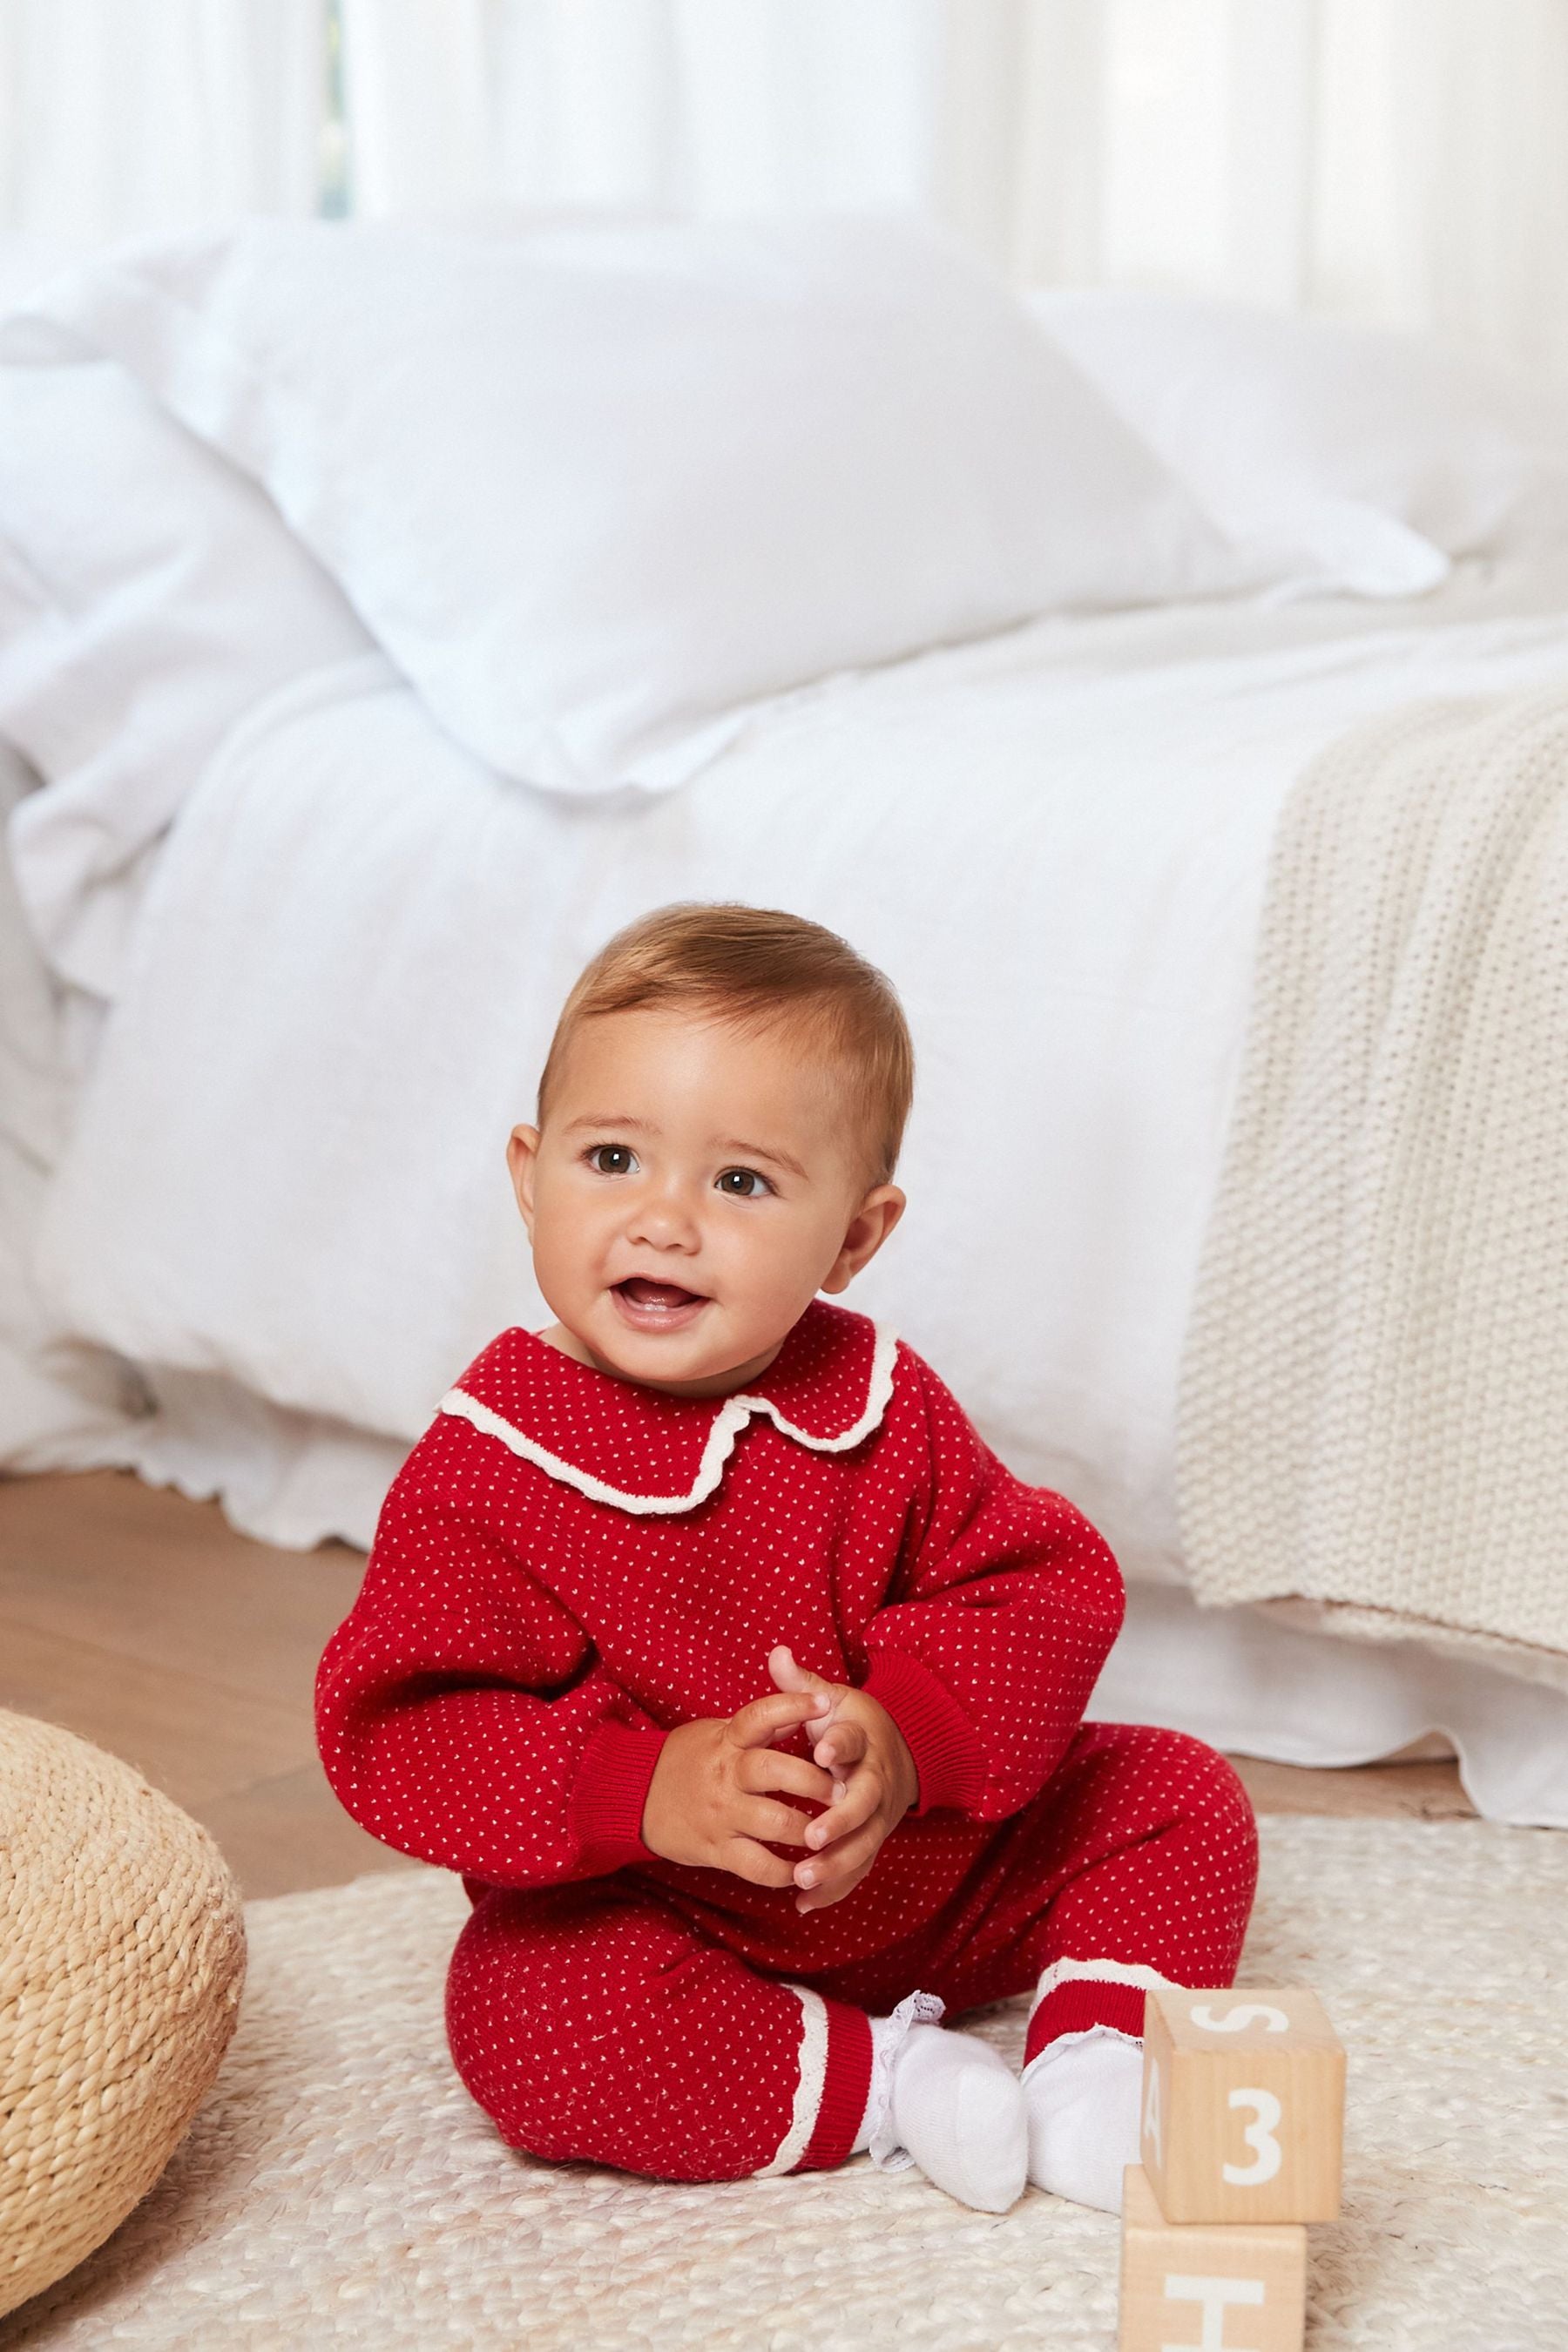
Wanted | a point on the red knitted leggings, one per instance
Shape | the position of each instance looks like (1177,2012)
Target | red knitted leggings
(593,2021)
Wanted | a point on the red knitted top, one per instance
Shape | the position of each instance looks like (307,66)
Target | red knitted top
(568,1565)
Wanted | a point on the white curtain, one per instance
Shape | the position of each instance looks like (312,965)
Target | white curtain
(118,116)
(1440,189)
(1403,160)
(711,106)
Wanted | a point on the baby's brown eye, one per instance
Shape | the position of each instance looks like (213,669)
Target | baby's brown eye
(740,1190)
(616,1152)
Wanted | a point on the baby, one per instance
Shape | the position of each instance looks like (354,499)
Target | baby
(739,1679)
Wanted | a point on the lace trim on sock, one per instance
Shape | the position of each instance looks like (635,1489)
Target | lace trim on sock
(919,2009)
(1042,2058)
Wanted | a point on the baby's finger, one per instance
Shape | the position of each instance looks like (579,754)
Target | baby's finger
(744,1858)
(830,1868)
(766,1768)
(765,1818)
(817,1898)
(790,1676)
(826,1878)
(843,1742)
(860,1795)
(766,1719)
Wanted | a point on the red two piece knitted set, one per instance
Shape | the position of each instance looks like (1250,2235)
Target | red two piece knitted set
(567,1566)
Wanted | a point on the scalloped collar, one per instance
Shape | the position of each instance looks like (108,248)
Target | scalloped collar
(643,1450)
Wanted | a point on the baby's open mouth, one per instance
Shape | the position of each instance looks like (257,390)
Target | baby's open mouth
(657,1303)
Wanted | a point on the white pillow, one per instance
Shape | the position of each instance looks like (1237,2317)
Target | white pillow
(1360,457)
(150,593)
(595,489)
(28,260)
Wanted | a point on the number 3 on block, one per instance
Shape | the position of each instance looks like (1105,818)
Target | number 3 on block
(1243,2114)
(1261,2136)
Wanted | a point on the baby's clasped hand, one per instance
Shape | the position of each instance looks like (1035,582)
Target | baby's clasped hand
(707,1802)
(874,1783)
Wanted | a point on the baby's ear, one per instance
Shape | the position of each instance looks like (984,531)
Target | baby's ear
(868,1229)
(521,1155)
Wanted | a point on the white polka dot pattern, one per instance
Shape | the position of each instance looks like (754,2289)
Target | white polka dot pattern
(496,1699)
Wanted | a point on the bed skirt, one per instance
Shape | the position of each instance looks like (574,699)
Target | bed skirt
(1252,1685)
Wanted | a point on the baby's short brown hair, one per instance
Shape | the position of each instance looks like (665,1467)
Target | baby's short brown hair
(758,968)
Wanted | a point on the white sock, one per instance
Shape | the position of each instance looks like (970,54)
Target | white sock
(1082,2095)
(946,2102)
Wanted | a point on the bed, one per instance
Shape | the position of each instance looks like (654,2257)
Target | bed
(284,972)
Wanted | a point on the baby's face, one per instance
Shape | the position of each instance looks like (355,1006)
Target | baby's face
(691,1191)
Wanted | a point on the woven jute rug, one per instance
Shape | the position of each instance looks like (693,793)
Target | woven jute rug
(340,2188)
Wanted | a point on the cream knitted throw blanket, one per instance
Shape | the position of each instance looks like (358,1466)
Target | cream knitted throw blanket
(1373,1408)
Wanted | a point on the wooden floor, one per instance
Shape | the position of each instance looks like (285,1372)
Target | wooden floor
(141,1621)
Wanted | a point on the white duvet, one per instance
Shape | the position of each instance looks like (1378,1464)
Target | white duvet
(288,1168)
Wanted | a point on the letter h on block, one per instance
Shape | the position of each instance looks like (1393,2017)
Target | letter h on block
(1220,2287)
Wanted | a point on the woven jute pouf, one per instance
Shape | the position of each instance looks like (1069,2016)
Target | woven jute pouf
(122,1959)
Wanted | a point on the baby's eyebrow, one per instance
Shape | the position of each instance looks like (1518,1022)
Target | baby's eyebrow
(609,1118)
(762,1152)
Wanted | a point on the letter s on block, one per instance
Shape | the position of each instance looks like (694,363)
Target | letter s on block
(1259,2135)
(1235,2019)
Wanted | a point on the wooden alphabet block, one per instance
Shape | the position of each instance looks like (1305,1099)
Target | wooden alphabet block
(1218,2286)
(1244,2095)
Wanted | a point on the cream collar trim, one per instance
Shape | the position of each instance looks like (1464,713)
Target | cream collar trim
(730,1419)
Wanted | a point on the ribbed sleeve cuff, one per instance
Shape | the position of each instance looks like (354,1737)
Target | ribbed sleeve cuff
(949,1759)
(605,1807)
